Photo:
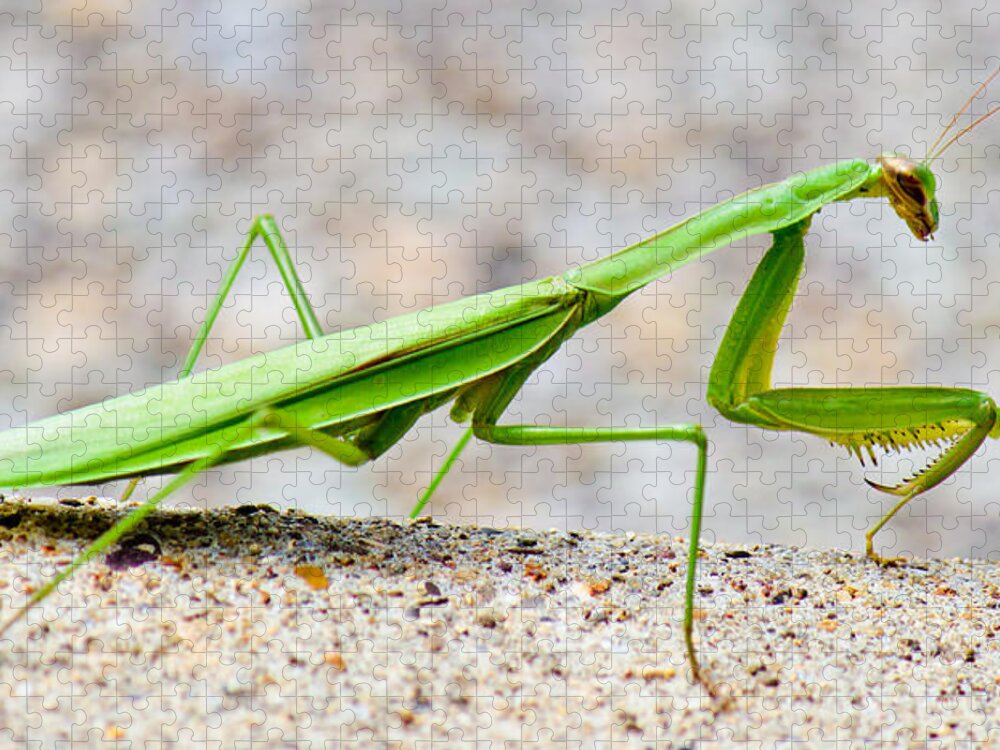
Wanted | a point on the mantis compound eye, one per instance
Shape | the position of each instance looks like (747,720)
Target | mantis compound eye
(910,187)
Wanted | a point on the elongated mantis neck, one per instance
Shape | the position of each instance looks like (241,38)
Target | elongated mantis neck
(757,211)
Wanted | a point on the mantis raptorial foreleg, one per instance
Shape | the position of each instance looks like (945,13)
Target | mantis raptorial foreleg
(857,418)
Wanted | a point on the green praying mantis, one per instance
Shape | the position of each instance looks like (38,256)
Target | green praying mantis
(355,393)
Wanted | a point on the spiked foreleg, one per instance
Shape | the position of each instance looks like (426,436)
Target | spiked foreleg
(861,419)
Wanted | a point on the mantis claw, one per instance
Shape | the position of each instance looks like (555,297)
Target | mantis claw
(887,562)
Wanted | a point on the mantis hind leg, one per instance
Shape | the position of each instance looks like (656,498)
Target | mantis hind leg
(860,419)
(270,419)
(264,227)
(690,433)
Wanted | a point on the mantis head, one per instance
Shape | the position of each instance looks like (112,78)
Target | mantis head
(910,187)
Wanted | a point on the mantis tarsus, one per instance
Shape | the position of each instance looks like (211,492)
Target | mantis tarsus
(354,394)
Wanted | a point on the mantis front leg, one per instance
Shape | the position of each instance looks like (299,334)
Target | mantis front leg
(861,419)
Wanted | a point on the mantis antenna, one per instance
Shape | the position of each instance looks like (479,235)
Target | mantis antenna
(934,154)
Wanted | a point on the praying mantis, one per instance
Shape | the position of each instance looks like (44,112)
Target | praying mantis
(355,393)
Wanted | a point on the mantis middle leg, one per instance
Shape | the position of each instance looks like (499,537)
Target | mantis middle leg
(890,418)
(485,427)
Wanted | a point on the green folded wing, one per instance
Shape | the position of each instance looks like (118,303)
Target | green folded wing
(326,382)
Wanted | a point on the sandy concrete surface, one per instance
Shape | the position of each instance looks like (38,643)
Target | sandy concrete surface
(249,628)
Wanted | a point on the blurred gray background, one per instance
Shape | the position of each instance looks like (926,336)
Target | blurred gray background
(414,155)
